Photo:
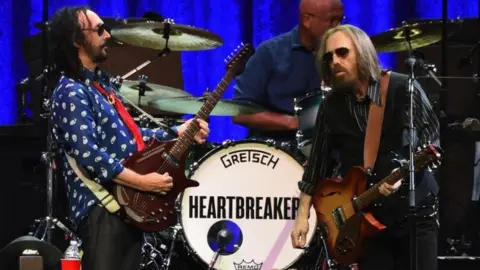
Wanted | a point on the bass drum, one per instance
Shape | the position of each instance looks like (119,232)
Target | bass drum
(247,199)
(306,108)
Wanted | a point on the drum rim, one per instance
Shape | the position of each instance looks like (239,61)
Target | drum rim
(226,144)
(299,99)
(229,143)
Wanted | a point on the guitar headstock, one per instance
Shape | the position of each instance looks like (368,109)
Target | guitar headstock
(428,156)
(236,61)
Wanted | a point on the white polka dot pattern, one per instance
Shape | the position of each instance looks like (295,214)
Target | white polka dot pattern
(88,127)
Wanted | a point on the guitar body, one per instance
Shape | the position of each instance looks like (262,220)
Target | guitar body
(148,211)
(345,229)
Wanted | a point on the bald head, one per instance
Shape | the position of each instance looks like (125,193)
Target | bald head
(319,6)
(317,16)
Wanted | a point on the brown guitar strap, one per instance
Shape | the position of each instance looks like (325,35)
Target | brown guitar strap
(374,125)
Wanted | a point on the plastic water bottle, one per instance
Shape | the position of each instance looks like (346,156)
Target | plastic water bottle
(71,257)
(73,251)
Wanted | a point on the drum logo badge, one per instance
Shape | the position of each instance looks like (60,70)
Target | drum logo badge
(248,265)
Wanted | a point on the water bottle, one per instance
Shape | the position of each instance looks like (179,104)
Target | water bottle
(73,251)
(71,257)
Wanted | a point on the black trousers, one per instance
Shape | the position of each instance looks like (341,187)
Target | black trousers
(390,250)
(109,243)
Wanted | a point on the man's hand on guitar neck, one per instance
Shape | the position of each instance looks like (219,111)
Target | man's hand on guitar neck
(386,190)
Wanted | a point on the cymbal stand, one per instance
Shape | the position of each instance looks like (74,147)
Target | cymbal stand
(164,52)
(411,62)
(177,229)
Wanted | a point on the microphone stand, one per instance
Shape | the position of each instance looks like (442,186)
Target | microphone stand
(411,62)
(48,223)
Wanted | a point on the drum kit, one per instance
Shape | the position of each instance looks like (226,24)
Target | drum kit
(241,215)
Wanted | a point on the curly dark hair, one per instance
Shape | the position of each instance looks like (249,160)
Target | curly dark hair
(65,30)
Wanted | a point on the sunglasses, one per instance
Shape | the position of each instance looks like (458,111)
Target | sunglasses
(341,52)
(100,29)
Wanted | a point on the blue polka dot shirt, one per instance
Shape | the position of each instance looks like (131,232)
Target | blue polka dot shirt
(89,129)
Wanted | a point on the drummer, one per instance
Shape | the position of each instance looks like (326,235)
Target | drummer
(282,69)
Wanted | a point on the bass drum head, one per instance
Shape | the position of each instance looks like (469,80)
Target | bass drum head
(250,189)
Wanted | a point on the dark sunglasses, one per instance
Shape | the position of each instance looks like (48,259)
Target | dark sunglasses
(100,29)
(341,52)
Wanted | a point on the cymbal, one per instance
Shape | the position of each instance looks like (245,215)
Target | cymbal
(149,34)
(130,90)
(191,105)
(421,34)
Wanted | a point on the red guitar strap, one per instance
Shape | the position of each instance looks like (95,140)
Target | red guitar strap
(126,117)
(374,125)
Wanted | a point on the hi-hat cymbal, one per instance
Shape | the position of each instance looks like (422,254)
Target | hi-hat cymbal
(149,34)
(421,34)
(131,90)
(191,105)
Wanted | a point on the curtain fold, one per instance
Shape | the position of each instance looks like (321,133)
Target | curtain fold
(235,21)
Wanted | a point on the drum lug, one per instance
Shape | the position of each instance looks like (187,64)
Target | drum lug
(297,108)
(271,142)
(228,143)
(299,135)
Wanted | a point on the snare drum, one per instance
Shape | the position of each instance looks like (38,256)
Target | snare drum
(306,108)
(248,188)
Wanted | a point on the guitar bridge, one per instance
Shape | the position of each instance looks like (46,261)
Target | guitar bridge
(339,217)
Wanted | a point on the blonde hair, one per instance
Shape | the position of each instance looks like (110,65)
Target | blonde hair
(368,65)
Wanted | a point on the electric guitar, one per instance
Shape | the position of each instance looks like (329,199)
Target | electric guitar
(339,204)
(155,212)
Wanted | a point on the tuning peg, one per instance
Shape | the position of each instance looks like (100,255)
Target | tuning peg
(429,169)
(424,146)
(434,166)
(419,148)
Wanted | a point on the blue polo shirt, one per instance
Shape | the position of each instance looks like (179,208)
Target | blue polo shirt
(280,70)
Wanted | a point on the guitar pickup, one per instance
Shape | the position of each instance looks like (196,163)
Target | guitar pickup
(339,217)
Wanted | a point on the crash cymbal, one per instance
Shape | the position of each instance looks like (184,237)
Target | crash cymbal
(421,34)
(191,105)
(149,34)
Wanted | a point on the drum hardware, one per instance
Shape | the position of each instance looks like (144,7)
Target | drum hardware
(420,34)
(224,236)
(152,250)
(191,105)
(166,35)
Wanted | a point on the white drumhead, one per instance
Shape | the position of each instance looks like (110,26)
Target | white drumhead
(256,187)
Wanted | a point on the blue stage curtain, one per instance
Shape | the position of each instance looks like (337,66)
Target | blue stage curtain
(235,21)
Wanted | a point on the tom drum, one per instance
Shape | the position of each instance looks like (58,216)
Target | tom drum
(306,108)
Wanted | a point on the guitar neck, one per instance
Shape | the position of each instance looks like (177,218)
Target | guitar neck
(373,192)
(187,138)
